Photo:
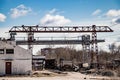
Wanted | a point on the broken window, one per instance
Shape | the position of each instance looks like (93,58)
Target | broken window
(1,51)
(9,51)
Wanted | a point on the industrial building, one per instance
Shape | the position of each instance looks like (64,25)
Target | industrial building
(14,59)
(38,62)
(48,53)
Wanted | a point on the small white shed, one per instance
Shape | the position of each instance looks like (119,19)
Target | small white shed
(14,59)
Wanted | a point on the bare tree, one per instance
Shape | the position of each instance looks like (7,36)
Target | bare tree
(112,48)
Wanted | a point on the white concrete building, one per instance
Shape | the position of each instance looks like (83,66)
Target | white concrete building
(14,59)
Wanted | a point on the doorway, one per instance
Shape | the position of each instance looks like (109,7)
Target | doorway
(8,67)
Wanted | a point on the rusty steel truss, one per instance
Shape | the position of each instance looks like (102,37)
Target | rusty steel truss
(30,30)
(60,29)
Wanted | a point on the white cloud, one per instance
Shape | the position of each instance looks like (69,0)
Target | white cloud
(4,32)
(2,17)
(19,11)
(116,20)
(51,18)
(113,13)
(53,11)
(96,12)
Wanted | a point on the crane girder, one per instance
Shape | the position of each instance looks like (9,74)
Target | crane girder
(59,29)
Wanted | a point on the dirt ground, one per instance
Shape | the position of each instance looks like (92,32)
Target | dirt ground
(68,76)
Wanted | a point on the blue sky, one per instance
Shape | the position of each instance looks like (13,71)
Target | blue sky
(61,12)
(75,10)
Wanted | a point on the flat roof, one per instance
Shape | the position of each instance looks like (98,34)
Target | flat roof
(38,57)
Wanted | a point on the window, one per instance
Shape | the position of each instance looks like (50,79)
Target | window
(1,51)
(9,51)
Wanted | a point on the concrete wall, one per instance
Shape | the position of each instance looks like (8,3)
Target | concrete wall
(21,59)
(24,67)
(2,67)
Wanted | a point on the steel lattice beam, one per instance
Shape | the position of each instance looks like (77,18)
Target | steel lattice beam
(57,42)
(59,29)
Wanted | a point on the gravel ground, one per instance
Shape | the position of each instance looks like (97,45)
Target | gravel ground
(69,76)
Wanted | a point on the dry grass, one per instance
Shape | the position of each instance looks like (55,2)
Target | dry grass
(47,74)
(118,72)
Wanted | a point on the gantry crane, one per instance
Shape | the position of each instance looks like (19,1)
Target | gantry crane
(31,30)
